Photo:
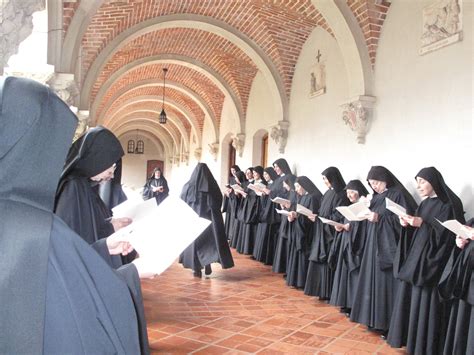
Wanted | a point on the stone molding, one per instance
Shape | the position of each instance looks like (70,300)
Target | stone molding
(65,87)
(238,142)
(279,134)
(357,114)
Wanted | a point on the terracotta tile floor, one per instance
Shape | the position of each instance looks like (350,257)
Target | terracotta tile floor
(246,309)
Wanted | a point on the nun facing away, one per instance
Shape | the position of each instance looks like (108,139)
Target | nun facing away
(203,195)
(59,295)
(377,287)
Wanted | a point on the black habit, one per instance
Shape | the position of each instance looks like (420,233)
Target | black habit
(154,182)
(419,316)
(59,295)
(203,195)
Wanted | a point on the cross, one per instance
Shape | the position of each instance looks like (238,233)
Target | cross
(318,56)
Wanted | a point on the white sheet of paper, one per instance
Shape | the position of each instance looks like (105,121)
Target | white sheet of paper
(161,235)
(356,212)
(280,200)
(456,227)
(283,212)
(134,209)
(395,207)
(304,211)
(331,222)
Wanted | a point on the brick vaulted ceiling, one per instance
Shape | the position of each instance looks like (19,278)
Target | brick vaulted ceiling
(129,85)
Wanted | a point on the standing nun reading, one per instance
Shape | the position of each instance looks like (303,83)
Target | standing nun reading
(301,232)
(320,275)
(203,195)
(92,159)
(377,288)
(348,253)
(419,316)
(58,295)
(156,186)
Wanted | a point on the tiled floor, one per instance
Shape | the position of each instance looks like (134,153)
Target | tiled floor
(246,309)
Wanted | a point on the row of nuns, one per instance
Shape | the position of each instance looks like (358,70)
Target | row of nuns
(407,278)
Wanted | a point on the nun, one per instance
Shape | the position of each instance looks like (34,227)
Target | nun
(301,232)
(61,296)
(203,195)
(156,186)
(226,205)
(347,252)
(457,287)
(269,222)
(419,315)
(320,275)
(92,160)
(377,287)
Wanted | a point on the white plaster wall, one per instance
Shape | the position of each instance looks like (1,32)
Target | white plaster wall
(423,115)
(134,165)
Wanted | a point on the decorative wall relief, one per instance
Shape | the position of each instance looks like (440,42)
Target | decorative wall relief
(279,134)
(198,153)
(442,25)
(238,142)
(356,115)
(214,150)
(317,78)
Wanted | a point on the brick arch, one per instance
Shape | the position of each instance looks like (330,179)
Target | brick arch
(196,76)
(149,117)
(194,113)
(209,113)
(175,113)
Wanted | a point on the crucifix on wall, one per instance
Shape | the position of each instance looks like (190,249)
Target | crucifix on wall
(317,77)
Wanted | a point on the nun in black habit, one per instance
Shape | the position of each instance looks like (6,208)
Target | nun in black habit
(419,316)
(58,295)
(156,186)
(91,160)
(111,192)
(283,171)
(347,252)
(377,287)
(280,259)
(235,204)
(457,286)
(249,212)
(269,222)
(203,195)
(301,232)
(226,205)
(320,275)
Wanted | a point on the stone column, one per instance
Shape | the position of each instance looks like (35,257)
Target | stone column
(279,134)
(357,114)
(16,23)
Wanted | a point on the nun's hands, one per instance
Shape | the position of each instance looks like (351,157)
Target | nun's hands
(313,217)
(121,222)
(461,242)
(373,217)
(292,216)
(412,221)
(119,244)
(144,270)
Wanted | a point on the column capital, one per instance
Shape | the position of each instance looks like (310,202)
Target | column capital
(238,142)
(64,86)
(279,134)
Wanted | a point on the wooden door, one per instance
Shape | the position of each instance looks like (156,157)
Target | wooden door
(151,165)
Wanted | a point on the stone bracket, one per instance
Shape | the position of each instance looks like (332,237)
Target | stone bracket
(238,142)
(357,114)
(279,134)
(214,150)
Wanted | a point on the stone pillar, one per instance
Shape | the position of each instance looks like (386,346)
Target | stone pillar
(279,134)
(357,114)
(238,142)
(65,87)
(16,23)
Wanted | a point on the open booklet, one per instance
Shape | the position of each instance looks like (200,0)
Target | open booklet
(281,200)
(258,188)
(356,212)
(304,211)
(457,228)
(395,208)
(330,222)
(282,212)
(161,233)
(237,187)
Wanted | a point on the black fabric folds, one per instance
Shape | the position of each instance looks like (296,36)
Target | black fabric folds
(283,165)
(335,178)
